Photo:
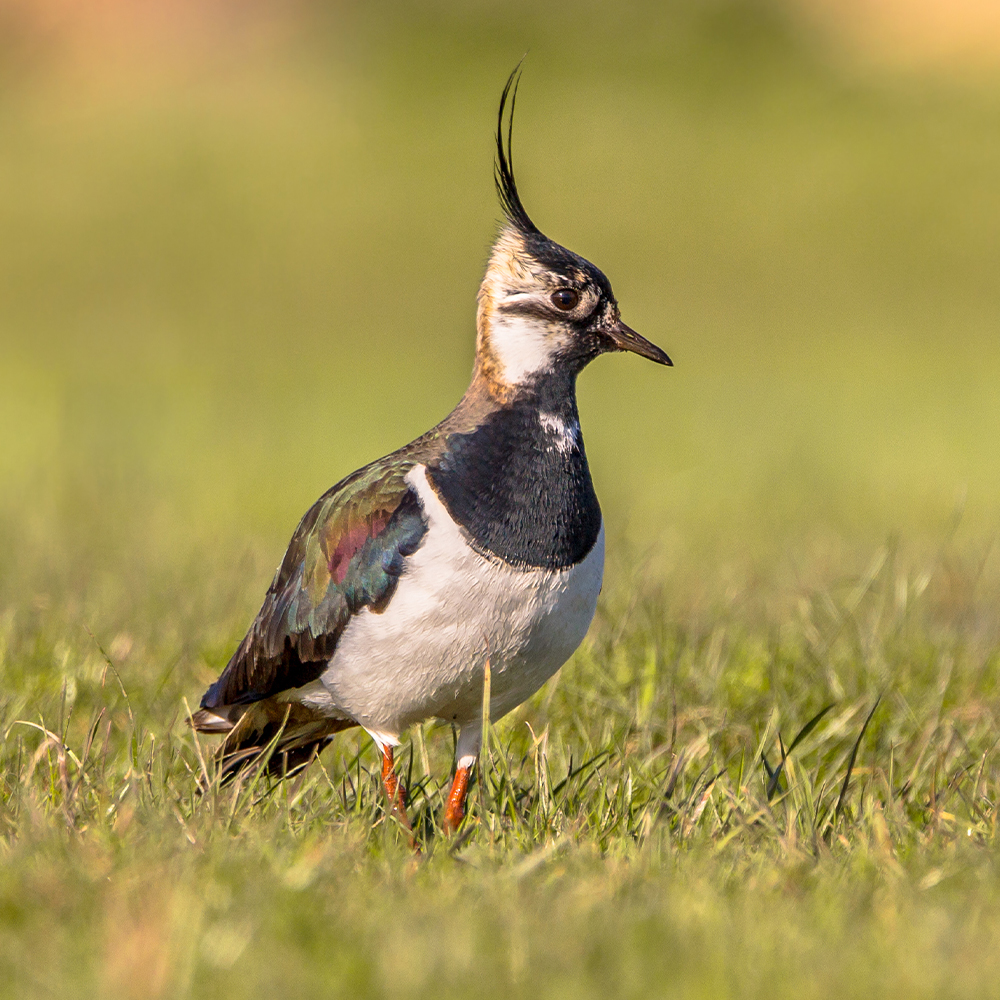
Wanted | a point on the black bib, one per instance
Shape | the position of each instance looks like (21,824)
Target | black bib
(516,492)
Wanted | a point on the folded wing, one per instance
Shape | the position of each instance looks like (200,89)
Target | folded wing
(347,554)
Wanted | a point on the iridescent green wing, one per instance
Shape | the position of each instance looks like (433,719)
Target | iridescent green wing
(346,554)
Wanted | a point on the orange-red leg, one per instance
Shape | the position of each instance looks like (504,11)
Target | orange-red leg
(454,809)
(394,788)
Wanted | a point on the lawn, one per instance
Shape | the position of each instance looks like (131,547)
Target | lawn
(227,281)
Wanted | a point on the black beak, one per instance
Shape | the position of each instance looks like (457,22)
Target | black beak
(626,339)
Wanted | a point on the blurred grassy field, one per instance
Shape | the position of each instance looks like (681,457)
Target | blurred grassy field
(227,282)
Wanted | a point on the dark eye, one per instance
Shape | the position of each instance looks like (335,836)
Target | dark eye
(565,299)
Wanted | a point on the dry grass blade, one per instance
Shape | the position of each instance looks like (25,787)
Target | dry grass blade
(114,670)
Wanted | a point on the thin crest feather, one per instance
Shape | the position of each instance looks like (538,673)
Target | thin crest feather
(503,168)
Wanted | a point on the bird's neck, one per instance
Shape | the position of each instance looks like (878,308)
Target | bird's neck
(552,390)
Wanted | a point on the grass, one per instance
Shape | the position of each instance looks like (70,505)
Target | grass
(623,833)
(220,293)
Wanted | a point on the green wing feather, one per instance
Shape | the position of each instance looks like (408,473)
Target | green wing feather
(346,554)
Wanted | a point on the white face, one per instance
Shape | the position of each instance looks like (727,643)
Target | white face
(527,342)
(524,345)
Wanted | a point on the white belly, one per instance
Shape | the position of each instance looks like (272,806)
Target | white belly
(453,609)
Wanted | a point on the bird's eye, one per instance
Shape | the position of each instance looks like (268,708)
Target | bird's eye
(565,299)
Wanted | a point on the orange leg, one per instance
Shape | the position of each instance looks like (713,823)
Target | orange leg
(454,810)
(394,788)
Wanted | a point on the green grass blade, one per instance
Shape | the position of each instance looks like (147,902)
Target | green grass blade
(850,763)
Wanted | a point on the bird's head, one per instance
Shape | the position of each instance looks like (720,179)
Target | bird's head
(542,308)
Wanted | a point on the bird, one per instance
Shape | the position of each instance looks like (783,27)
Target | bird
(474,551)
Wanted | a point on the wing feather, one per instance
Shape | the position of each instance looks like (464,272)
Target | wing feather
(347,553)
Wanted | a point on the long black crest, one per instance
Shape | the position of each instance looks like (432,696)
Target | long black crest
(503,168)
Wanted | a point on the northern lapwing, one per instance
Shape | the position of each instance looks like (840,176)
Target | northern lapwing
(479,545)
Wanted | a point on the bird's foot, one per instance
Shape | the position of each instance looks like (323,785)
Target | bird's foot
(454,810)
(396,794)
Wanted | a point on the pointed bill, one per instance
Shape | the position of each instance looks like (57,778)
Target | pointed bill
(626,339)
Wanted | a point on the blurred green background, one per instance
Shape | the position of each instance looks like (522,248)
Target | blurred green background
(241,247)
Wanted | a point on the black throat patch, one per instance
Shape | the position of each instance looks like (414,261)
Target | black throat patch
(519,484)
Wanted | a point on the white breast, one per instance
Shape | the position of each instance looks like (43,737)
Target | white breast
(424,656)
